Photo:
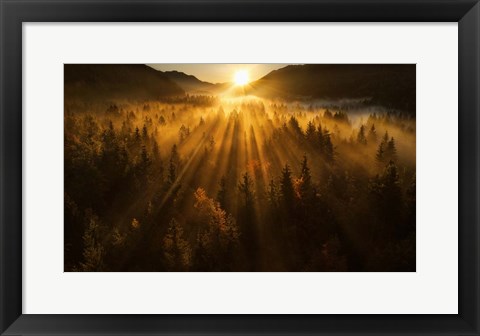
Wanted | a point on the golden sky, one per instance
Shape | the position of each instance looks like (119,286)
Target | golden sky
(220,73)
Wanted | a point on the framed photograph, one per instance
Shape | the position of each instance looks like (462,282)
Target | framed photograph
(262,167)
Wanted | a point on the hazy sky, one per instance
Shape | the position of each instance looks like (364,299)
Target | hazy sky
(219,73)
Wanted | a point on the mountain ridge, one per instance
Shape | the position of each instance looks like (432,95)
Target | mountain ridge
(389,85)
(93,82)
(192,84)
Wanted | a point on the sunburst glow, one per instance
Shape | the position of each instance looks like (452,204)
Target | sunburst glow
(241,77)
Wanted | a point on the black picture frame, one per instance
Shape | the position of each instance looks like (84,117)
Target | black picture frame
(14,12)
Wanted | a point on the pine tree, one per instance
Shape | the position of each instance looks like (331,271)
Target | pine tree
(295,126)
(328,150)
(110,155)
(310,133)
(287,193)
(388,198)
(390,176)
(162,121)
(320,139)
(385,137)
(272,194)
(177,251)
(380,155)
(361,136)
(183,133)
(124,160)
(327,114)
(155,151)
(222,193)
(372,134)
(246,189)
(145,133)
(109,140)
(137,137)
(386,151)
(145,161)
(306,188)
(173,166)
(93,251)
(391,150)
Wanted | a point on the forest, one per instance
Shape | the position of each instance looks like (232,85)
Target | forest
(202,183)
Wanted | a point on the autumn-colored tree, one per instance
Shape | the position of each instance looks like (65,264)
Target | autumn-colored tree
(177,251)
(219,232)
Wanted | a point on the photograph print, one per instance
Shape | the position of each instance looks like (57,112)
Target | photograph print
(239,168)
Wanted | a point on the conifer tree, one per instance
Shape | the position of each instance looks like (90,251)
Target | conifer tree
(388,198)
(177,251)
(173,166)
(380,155)
(385,137)
(386,151)
(246,189)
(361,136)
(144,133)
(93,251)
(137,137)
(372,134)
(222,193)
(287,193)
(144,160)
(310,133)
(162,121)
(306,188)
(155,151)
(320,139)
(328,150)
(272,194)
(391,150)
(295,126)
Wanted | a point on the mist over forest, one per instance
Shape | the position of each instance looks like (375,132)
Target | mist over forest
(309,168)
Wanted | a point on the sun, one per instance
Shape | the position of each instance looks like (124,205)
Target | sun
(241,77)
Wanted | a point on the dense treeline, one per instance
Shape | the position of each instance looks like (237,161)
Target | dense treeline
(199,184)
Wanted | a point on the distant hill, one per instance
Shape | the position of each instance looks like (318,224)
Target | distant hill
(188,83)
(191,84)
(137,82)
(389,85)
